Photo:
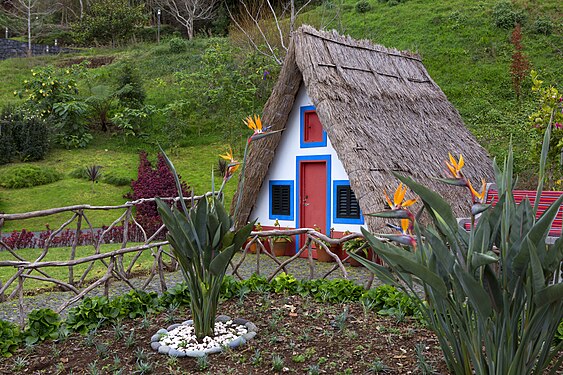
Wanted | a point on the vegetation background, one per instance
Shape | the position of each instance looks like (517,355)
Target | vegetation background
(196,92)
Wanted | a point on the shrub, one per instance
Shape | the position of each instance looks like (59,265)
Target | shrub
(10,338)
(7,147)
(23,176)
(177,45)
(23,135)
(542,25)
(70,125)
(79,173)
(109,22)
(42,324)
(151,183)
(130,92)
(520,65)
(116,180)
(506,16)
(363,6)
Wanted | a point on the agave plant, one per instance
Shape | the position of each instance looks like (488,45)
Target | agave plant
(204,244)
(203,239)
(487,292)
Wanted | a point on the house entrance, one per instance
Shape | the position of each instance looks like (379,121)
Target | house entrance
(312,197)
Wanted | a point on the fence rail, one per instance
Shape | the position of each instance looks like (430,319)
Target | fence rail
(133,239)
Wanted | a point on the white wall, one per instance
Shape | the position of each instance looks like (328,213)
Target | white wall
(284,164)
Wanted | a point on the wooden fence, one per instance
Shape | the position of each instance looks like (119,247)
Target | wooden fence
(114,261)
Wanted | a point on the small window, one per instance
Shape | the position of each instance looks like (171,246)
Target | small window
(281,200)
(312,133)
(347,206)
(313,129)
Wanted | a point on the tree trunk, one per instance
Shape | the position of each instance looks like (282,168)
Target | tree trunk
(190,28)
(29,28)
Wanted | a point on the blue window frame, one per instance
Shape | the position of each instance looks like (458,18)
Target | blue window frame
(281,200)
(302,141)
(345,207)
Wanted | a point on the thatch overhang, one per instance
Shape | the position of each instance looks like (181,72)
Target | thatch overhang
(382,113)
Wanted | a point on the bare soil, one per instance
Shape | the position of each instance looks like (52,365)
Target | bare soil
(308,336)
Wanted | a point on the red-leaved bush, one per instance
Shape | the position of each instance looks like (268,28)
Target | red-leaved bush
(520,64)
(150,183)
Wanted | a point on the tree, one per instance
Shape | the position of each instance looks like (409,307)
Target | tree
(109,22)
(29,10)
(265,9)
(188,11)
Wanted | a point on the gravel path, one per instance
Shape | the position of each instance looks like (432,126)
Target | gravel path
(299,268)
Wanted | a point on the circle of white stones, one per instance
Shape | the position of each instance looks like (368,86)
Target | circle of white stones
(179,340)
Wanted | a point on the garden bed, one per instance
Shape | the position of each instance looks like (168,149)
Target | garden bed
(296,335)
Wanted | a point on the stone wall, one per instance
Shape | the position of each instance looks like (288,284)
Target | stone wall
(13,48)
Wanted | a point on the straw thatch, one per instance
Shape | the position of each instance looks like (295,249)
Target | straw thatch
(382,113)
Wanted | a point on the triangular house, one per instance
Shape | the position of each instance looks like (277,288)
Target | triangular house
(352,113)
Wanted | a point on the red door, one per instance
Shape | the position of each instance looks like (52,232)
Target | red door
(312,197)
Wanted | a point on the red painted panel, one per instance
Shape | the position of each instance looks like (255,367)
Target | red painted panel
(312,196)
(313,128)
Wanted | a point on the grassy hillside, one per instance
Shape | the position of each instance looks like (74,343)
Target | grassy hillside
(465,53)
(194,165)
(469,58)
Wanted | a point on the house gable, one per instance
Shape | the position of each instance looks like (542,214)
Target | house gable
(284,170)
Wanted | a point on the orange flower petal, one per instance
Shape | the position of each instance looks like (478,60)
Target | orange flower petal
(460,163)
(405,225)
(258,122)
(476,194)
(410,202)
(452,160)
(388,200)
(399,194)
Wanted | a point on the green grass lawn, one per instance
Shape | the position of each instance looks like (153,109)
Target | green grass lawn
(194,165)
(144,263)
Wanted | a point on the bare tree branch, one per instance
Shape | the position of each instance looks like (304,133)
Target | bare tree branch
(186,12)
(277,19)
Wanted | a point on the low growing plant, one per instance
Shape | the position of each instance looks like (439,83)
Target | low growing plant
(42,324)
(91,313)
(24,176)
(10,338)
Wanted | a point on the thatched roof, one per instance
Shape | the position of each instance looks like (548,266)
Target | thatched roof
(382,112)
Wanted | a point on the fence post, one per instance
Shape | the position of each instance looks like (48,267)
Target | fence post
(74,245)
(21,310)
(120,267)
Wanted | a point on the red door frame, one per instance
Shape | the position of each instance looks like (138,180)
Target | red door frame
(301,162)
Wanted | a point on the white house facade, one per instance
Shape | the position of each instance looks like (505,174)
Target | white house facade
(306,185)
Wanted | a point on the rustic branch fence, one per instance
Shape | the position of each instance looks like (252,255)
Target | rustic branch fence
(113,261)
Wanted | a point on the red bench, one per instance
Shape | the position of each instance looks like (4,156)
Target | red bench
(547,198)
